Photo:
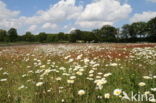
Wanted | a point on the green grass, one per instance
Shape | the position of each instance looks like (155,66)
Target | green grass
(16,43)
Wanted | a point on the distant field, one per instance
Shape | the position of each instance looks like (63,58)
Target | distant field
(78,73)
(17,43)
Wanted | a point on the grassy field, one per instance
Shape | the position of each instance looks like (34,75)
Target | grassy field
(2,44)
(78,73)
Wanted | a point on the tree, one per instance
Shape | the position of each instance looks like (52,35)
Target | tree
(52,38)
(108,33)
(42,37)
(88,36)
(129,32)
(139,29)
(75,35)
(29,37)
(152,27)
(3,35)
(61,36)
(125,32)
(12,33)
(97,35)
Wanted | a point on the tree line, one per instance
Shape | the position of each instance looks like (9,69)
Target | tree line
(135,32)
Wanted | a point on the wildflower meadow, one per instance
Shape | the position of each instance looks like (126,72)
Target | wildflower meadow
(78,73)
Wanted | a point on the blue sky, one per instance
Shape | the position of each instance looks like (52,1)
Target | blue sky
(65,15)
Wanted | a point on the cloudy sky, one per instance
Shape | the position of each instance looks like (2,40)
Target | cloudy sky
(65,15)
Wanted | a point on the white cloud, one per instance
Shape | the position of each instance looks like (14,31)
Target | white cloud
(6,13)
(145,16)
(7,17)
(49,26)
(8,23)
(93,15)
(32,28)
(102,12)
(93,24)
(61,11)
